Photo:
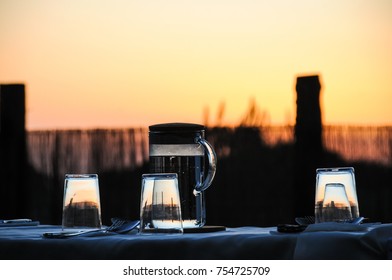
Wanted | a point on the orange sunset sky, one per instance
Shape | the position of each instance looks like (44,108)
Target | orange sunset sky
(125,63)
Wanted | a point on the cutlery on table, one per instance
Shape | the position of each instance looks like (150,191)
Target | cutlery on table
(308,220)
(15,221)
(118,226)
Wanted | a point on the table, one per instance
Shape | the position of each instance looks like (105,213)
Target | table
(364,242)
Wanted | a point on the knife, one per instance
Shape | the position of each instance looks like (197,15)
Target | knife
(15,221)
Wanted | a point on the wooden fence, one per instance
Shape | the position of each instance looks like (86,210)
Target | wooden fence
(255,170)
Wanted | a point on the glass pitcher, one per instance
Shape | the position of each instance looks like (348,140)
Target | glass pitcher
(181,148)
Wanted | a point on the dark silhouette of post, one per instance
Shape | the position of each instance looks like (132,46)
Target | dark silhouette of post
(13,161)
(308,127)
(308,143)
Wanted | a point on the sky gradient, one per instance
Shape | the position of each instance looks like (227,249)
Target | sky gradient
(106,64)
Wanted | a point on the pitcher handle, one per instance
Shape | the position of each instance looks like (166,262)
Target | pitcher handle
(211,164)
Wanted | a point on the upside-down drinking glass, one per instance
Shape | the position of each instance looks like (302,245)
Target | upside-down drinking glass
(336,207)
(341,175)
(160,205)
(81,203)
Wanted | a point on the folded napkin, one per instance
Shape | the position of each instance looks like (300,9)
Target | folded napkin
(18,222)
(334,226)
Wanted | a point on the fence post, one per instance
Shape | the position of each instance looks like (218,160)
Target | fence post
(13,161)
(308,143)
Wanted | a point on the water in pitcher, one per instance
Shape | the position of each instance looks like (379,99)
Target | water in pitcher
(188,162)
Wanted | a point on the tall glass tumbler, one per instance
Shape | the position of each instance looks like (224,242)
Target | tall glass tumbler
(340,175)
(81,204)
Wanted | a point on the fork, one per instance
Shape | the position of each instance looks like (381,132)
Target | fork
(116,225)
(307,220)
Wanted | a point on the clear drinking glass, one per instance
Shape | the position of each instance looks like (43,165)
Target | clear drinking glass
(81,204)
(336,207)
(160,205)
(341,175)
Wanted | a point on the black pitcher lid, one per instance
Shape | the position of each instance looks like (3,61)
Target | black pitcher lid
(184,127)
